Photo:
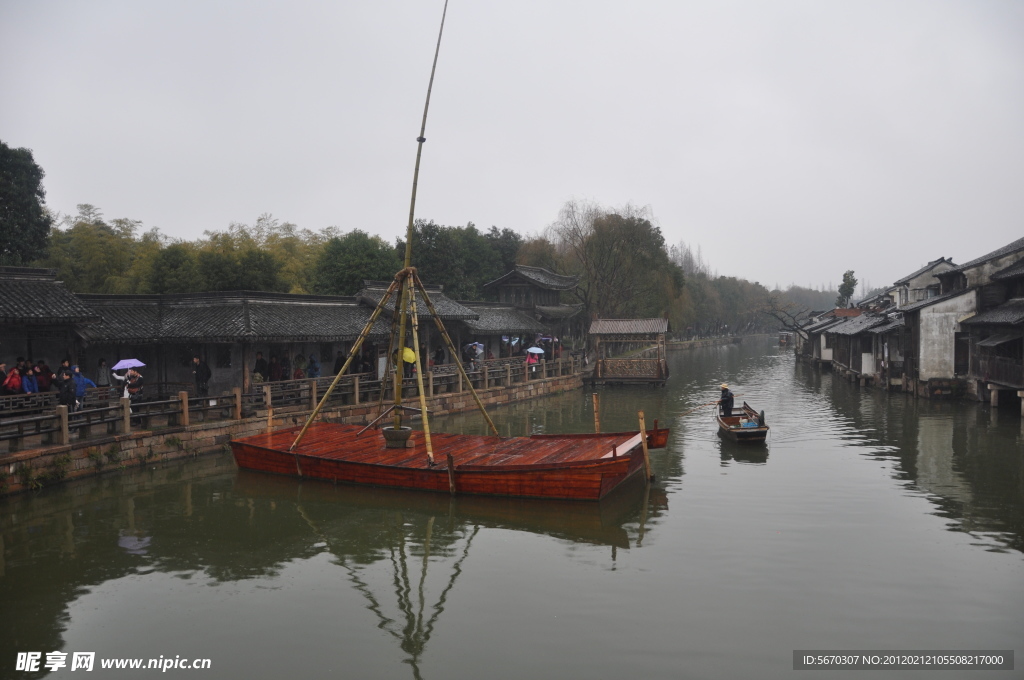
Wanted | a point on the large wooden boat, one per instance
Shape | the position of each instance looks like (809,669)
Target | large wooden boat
(573,467)
(744,425)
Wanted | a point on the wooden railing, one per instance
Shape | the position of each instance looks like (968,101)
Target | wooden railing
(998,369)
(37,420)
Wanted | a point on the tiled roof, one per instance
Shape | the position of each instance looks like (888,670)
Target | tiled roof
(503,319)
(856,324)
(558,311)
(891,325)
(1010,312)
(447,309)
(541,277)
(922,270)
(35,296)
(820,326)
(628,326)
(227,317)
(1014,270)
(1005,250)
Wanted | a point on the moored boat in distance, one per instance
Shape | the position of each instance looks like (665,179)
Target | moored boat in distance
(746,425)
(572,467)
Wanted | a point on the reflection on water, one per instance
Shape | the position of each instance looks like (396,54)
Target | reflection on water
(855,525)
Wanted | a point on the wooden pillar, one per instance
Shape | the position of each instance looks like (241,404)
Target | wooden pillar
(126,414)
(460,381)
(64,434)
(508,375)
(597,412)
(355,389)
(237,391)
(246,376)
(485,374)
(543,368)
(312,394)
(183,398)
(643,443)
(430,383)
(266,396)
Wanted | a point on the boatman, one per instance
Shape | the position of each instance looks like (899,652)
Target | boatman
(726,400)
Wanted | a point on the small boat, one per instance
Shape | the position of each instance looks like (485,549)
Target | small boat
(745,425)
(572,467)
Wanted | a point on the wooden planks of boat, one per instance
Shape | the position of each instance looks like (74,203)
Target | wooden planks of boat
(745,425)
(573,467)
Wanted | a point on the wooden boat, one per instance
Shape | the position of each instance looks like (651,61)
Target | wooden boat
(573,467)
(745,425)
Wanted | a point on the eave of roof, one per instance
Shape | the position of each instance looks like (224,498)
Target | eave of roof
(999,252)
(628,326)
(1010,312)
(539,276)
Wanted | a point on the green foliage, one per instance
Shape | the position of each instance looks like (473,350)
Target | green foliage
(96,456)
(174,442)
(175,269)
(846,289)
(24,222)
(113,454)
(27,476)
(347,260)
(462,259)
(57,470)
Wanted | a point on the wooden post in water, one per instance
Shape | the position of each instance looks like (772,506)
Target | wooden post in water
(451,474)
(597,412)
(643,443)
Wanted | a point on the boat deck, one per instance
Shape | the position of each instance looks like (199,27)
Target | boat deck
(340,442)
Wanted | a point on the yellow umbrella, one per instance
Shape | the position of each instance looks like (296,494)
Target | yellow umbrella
(408,356)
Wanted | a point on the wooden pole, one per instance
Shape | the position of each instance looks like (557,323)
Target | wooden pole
(126,414)
(597,412)
(64,438)
(270,420)
(643,443)
(183,398)
(419,382)
(237,391)
(451,473)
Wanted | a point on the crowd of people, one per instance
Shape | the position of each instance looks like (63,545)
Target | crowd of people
(68,381)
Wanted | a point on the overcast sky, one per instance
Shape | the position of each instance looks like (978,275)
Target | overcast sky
(790,140)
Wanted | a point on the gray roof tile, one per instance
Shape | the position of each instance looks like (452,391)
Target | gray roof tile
(35,296)
(504,319)
(543,278)
(1010,312)
(628,326)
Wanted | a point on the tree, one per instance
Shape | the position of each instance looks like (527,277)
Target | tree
(175,271)
(347,260)
(24,222)
(846,289)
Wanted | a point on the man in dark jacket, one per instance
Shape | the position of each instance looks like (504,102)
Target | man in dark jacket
(202,373)
(261,369)
(66,390)
(726,401)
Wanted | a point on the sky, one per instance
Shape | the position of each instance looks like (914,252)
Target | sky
(789,140)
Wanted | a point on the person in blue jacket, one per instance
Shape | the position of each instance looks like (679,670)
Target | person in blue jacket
(81,383)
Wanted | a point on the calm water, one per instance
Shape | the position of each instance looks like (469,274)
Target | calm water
(865,522)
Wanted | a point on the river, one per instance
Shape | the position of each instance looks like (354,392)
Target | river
(867,521)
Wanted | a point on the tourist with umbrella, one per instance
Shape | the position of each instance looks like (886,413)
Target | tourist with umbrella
(132,379)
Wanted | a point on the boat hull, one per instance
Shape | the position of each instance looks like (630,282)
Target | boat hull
(730,428)
(589,478)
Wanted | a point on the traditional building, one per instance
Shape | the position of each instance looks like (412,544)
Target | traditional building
(39,317)
(541,293)
(614,336)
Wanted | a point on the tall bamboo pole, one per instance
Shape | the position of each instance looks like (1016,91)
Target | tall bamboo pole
(403,308)
(419,377)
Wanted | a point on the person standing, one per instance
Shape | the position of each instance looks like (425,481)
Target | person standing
(66,389)
(102,374)
(339,361)
(44,376)
(312,367)
(260,369)
(202,373)
(726,401)
(81,383)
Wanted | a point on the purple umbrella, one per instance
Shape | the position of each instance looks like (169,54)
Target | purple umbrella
(126,363)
